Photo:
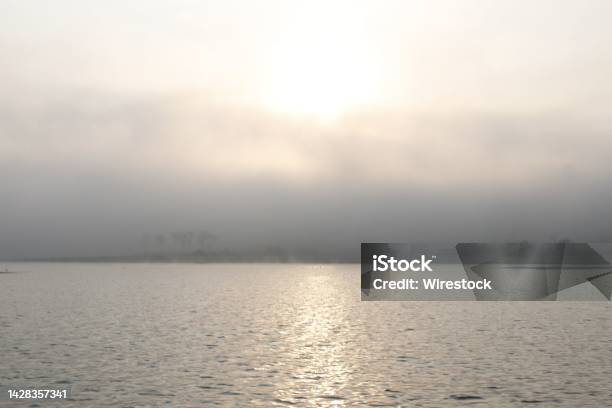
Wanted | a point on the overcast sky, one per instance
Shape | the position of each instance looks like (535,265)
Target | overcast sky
(307,125)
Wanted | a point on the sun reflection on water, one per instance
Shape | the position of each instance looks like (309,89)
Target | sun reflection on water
(319,354)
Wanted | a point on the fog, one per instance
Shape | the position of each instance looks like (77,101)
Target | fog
(217,125)
(85,178)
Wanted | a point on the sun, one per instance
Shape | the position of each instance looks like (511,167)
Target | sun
(321,77)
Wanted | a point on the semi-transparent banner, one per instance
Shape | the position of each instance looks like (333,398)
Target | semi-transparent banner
(576,271)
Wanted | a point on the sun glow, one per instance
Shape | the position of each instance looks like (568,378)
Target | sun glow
(321,75)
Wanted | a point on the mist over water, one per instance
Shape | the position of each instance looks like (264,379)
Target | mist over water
(151,143)
(305,188)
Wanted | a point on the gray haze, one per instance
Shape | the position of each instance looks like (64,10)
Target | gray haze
(106,140)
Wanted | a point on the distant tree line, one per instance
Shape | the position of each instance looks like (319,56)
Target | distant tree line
(180,241)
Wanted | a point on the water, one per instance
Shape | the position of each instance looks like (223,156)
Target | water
(288,335)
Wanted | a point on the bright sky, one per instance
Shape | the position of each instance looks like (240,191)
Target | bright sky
(310,120)
(319,58)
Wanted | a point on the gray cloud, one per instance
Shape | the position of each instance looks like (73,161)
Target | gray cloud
(89,174)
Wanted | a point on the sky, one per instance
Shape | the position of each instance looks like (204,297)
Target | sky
(312,126)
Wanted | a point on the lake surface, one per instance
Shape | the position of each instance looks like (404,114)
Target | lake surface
(288,335)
